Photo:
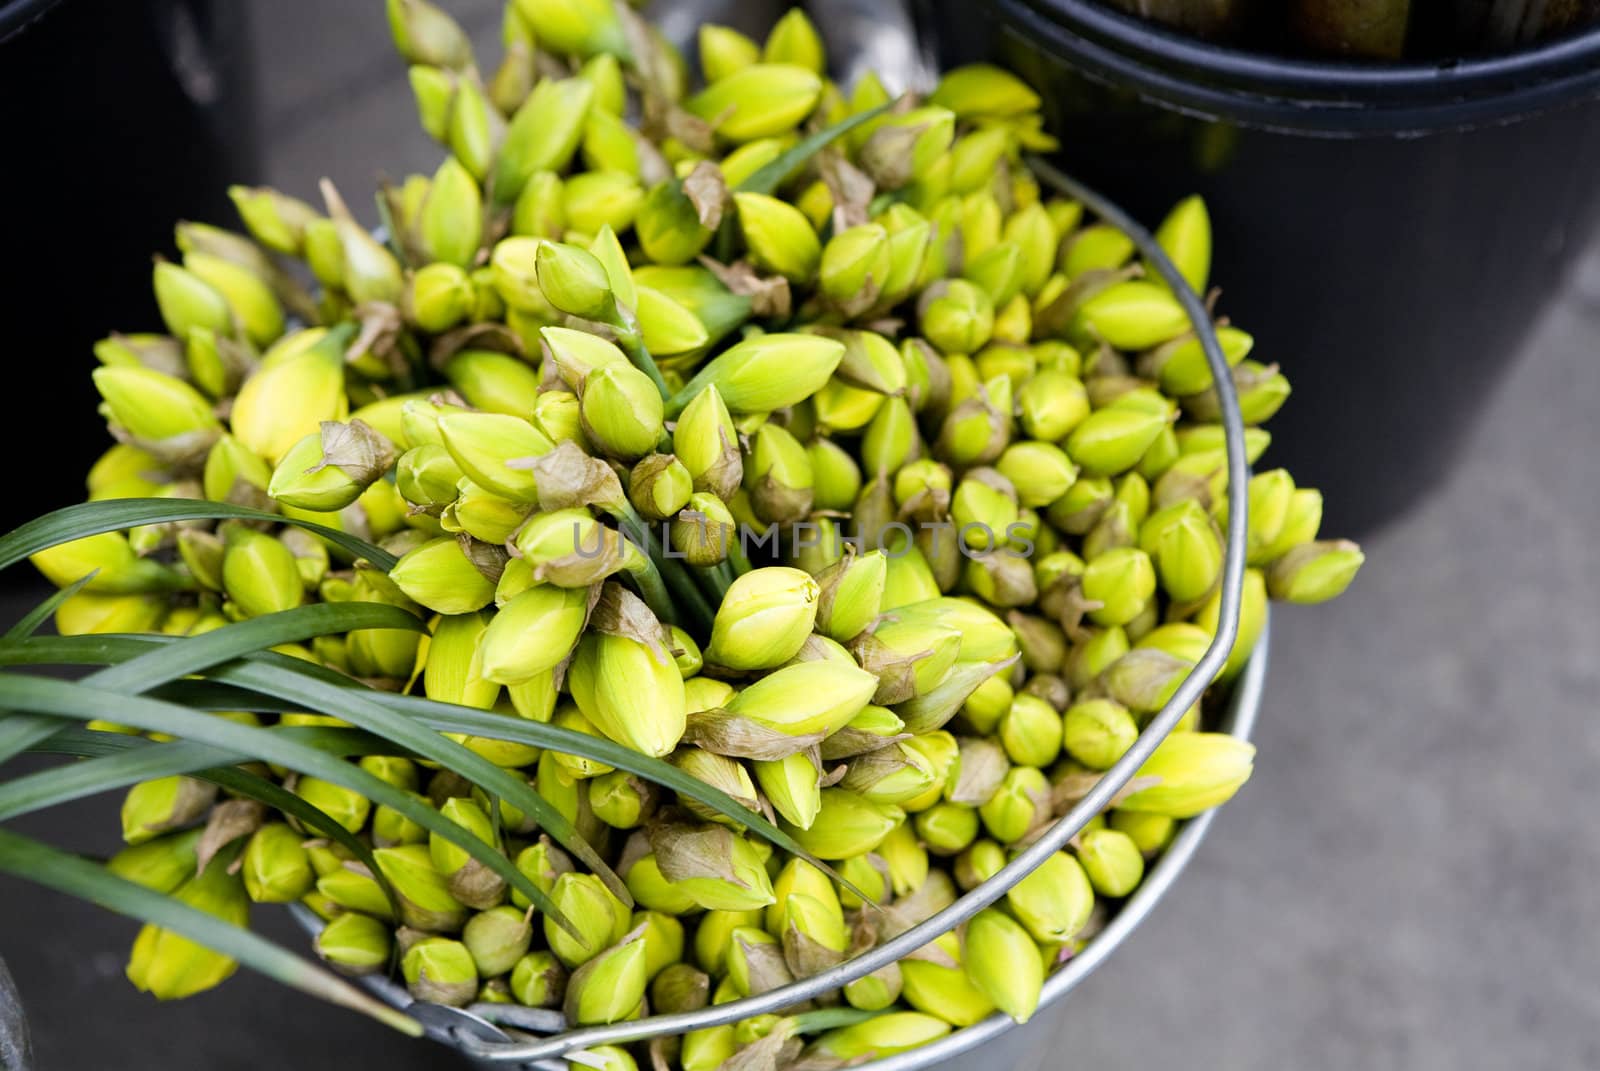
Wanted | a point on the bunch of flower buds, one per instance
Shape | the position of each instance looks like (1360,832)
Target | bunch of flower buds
(783,431)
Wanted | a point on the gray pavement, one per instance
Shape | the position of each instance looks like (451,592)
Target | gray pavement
(1409,882)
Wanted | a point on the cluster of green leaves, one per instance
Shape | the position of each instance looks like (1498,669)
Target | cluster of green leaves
(169,685)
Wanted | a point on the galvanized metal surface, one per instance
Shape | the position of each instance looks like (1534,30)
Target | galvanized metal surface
(483,1045)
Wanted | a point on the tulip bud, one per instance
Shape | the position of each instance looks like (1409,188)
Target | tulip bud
(712,866)
(778,236)
(1054,901)
(1185,236)
(1098,732)
(622,411)
(439,575)
(289,398)
(1197,771)
(757,101)
(764,618)
(274,219)
(855,265)
(793,786)
(1183,542)
(484,445)
(1302,518)
(154,807)
(846,825)
(497,939)
(595,200)
(574,281)
(779,477)
(1261,389)
(630,690)
(1112,862)
(707,444)
(836,478)
(1031,731)
(956,316)
(274,865)
(1315,572)
(494,382)
(165,414)
(1041,472)
(620,799)
(538,980)
(162,863)
(1150,833)
(767,372)
(170,966)
(984,508)
(600,918)
(1003,963)
(880,1036)
(1022,800)
(911,658)
(704,531)
(440,971)
(895,774)
(111,558)
(850,595)
(259,573)
(934,982)
(441,296)
(328,470)
(427,477)
(1122,581)
(806,697)
(354,944)
(720,772)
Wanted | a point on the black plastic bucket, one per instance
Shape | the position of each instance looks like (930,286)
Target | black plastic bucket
(121,117)
(1389,232)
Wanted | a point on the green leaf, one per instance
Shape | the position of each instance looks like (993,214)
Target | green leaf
(114,515)
(443,717)
(43,865)
(767,179)
(30,622)
(191,654)
(121,760)
(19,732)
(116,760)
(73,700)
(362,707)
(317,692)
(286,680)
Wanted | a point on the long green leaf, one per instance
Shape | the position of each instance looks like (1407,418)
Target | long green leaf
(19,732)
(114,515)
(30,622)
(43,865)
(191,654)
(117,760)
(768,178)
(361,707)
(122,760)
(442,717)
(161,665)
(74,700)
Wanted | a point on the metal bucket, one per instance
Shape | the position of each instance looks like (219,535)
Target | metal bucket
(481,1030)
(1005,1046)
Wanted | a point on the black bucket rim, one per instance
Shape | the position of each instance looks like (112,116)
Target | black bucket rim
(18,15)
(1329,97)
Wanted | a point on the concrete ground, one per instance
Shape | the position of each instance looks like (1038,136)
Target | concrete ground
(1409,882)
